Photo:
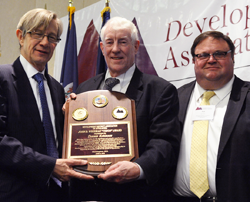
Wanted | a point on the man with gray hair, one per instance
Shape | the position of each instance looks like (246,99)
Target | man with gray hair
(150,177)
(31,120)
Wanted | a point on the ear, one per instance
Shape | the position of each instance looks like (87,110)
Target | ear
(137,44)
(20,37)
(102,47)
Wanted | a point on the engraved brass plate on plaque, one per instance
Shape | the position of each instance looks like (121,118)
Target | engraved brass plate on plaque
(103,139)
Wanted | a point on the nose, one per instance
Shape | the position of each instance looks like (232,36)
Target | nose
(45,40)
(116,47)
(211,58)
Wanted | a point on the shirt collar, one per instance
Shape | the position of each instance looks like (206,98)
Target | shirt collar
(220,93)
(29,69)
(125,77)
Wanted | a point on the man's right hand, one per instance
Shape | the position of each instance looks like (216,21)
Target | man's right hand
(63,170)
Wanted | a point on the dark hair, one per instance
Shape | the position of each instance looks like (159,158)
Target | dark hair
(216,35)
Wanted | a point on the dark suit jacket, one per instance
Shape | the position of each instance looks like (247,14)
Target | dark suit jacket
(158,135)
(233,160)
(24,166)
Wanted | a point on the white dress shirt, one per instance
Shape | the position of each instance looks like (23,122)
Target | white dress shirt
(182,177)
(124,78)
(30,72)
(122,87)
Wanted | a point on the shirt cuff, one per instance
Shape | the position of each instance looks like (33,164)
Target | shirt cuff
(141,176)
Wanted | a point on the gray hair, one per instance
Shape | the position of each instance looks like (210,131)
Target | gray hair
(35,18)
(120,23)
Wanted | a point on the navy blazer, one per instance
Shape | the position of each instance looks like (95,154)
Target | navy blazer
(24,165)
(233,160)
(157,129)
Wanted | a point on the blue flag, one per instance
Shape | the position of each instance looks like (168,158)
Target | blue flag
(69,74)
(101,64)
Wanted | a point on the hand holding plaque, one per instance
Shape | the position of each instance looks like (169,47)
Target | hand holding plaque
(121,172)
(100,126)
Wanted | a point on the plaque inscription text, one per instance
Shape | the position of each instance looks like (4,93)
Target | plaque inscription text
(100,139)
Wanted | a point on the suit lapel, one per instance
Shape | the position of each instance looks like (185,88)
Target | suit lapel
(92,84)
(97,81)
(235,104)
(184,94)
(26,96)
(135,88)
(53,93)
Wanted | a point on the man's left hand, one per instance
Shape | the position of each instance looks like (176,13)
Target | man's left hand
(121,172)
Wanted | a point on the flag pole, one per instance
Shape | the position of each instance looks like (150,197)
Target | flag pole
(107,3)
(71,10)
(106,9)
(70,3)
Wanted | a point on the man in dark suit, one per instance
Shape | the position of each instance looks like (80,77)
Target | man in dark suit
(150,177)
(228,142)
(27,171)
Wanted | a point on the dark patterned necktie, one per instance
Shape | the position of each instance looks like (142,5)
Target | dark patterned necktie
(47,124)
(110,83)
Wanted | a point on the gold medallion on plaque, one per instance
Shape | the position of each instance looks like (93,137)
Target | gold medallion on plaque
(120,113)
(80,114)
(100,101)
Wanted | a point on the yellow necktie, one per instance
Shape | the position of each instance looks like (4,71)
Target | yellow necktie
(198,156)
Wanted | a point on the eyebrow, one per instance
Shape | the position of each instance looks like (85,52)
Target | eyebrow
(41,30)
(213,52)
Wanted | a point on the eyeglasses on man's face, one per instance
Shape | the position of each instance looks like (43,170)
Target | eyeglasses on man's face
(218,55)
(40,36)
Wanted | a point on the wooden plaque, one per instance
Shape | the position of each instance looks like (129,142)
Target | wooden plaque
(100,127)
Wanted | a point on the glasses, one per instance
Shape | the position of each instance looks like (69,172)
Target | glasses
(218,55)
(39,36)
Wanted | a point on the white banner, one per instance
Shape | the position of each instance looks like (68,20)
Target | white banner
(168,29)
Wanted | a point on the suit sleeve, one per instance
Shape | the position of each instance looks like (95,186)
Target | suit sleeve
(24,162)
(17,159)
(3,113)
(162,127)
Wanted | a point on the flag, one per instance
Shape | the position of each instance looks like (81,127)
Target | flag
(101,64)
(142,59)
(87,57)
(69,73)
